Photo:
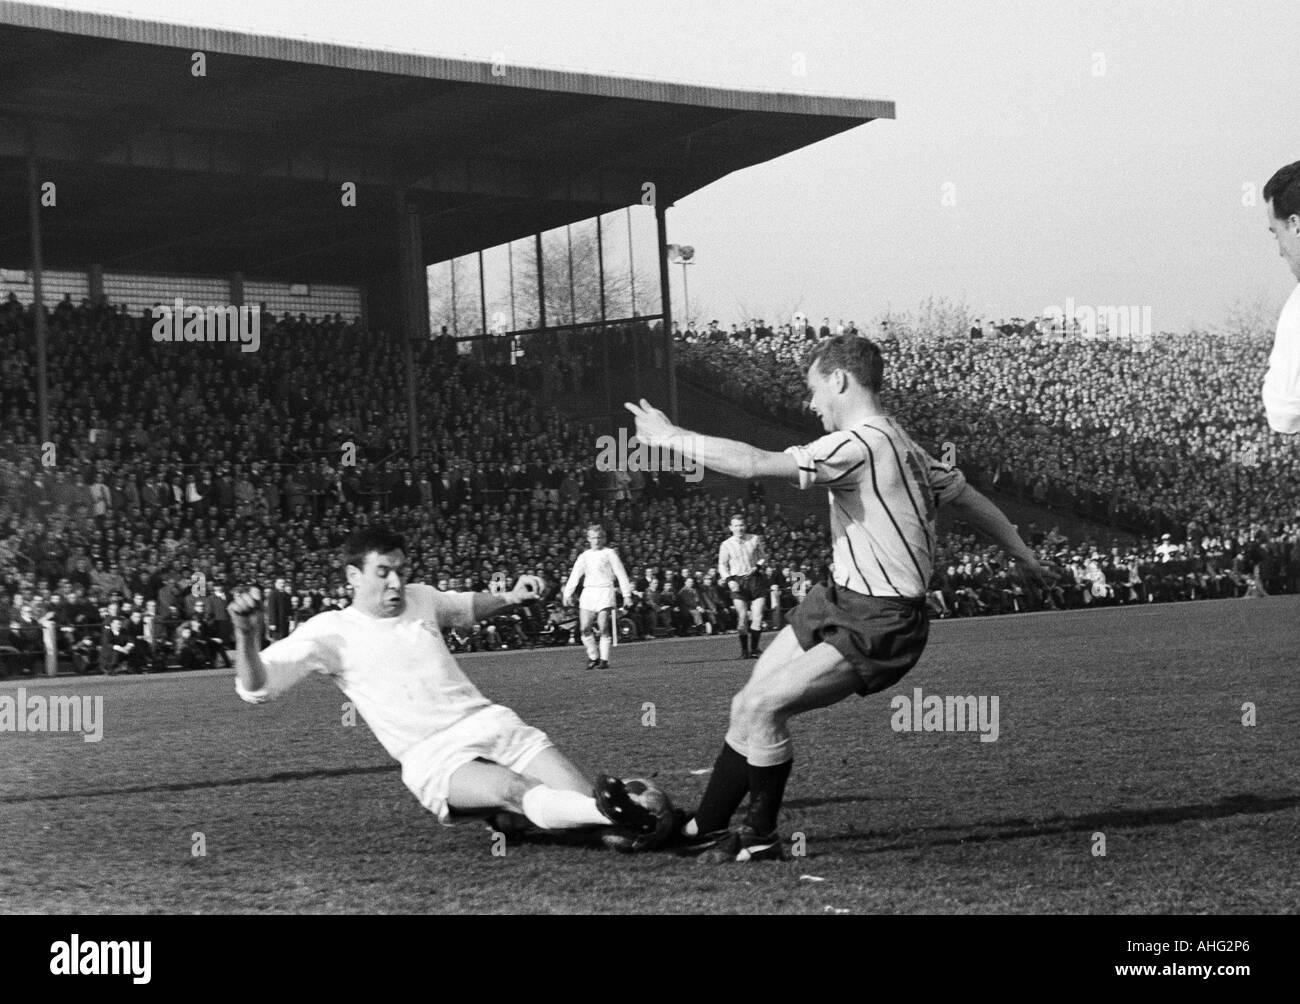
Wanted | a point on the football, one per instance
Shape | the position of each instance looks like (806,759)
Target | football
(654,798)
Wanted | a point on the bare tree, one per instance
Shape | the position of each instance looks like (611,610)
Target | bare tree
(1252,318)
(460,314)
(580,302)
(934,317)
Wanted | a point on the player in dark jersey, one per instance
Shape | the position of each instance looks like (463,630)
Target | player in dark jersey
(740,561)
(861,632)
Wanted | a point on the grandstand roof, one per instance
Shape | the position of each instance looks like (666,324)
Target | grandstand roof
(161,171)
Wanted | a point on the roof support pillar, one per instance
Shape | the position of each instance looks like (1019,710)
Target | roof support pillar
(541,282)
(38,272)
(669,347)
(413,317)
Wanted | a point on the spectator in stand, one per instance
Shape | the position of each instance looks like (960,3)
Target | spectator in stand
(689,609)
(217,627)
(27,638)
(117,649)
(278,611)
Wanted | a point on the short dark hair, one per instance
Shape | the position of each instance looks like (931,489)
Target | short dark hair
(1283,190)
(858,356)
(371,540)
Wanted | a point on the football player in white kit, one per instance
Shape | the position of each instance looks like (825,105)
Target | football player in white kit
(598,568)
(1282,381)
(739,559)
(461,754)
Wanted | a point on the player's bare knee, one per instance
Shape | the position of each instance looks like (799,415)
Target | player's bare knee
(513,788)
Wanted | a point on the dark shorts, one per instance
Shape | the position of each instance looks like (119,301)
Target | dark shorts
(753,586)
(882,637)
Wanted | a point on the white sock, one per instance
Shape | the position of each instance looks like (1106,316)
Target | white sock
(604,647)
(593,653)
(555,809)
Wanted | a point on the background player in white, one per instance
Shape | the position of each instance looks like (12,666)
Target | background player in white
(599,568)
(739,561)
(460,753)
(866,628)
(1282,382)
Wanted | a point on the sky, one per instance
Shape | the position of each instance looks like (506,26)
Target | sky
(1110,152)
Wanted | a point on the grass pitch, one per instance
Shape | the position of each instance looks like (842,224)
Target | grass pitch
(1123,723)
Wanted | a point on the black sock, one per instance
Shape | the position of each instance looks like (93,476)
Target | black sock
(744,642)
(753,640)
(766,792)
(728,786)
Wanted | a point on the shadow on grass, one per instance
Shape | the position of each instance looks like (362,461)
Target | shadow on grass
(233,782)
(1017,829)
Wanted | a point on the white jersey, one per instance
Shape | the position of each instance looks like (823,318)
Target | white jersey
(397,671)
(599,568)
(883,491)
(739,556)
(1282,382)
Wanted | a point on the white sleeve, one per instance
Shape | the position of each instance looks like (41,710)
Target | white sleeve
(289,661)
(575,575)
(620,573)
(448,609)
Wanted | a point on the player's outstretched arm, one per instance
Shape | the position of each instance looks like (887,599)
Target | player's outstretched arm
(490,604)
(726,456)
(976,509)
(246,615)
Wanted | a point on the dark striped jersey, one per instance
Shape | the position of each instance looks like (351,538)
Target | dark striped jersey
(739,556)
(883,490)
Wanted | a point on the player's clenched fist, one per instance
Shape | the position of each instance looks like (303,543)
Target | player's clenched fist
(528,589)
(246,610)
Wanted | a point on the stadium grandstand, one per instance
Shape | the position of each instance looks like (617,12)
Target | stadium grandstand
(312,185)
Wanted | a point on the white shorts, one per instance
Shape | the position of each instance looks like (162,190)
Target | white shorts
(597,598)
(494,733)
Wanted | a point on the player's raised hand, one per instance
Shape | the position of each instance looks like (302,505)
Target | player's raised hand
(652,426)
(246,610)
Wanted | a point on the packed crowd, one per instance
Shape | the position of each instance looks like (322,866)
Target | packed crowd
(175,473)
